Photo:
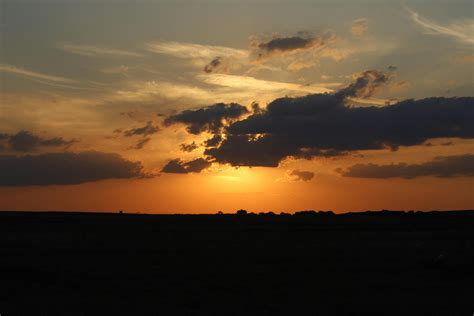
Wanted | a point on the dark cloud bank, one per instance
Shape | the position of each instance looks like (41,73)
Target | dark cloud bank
(324,125)
(451,166)
(179,166)
(211,118)
(66,168)
(281,45)
(25,141)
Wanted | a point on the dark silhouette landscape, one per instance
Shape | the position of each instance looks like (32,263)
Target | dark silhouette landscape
(307,263)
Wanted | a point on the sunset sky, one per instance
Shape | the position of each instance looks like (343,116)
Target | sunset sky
(206,106)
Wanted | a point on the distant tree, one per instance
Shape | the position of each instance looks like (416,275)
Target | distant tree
(241,212)
(220,213)
(326,213)
(308,212)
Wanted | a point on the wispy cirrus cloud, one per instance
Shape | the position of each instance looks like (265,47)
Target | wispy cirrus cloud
(96,51)
(51,80)
(247,82)
(190,50)
(460,30)
(33,74)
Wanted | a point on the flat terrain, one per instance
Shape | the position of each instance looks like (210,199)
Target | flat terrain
(384,263)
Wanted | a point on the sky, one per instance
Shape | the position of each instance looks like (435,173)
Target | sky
(206,106)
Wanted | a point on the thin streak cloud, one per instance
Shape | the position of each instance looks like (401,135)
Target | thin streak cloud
(95,51)
(246,82)
(462,31)
(50,80)
(189,50)
(33,74)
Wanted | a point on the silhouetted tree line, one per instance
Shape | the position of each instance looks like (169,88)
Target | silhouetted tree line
(329,213)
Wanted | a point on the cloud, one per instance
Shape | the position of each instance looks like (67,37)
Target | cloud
(399,85)
(50,80)
(118,70)
(189,147)
(280,45)
(189,50)
(359,27)
(213,141)
(95,51)
(462,31)
(141,143)
(66,168)
(325,125)
(366,85)
(35,75)
(179,166)
(213,65)
(25,141)
(144,132)
(450,166)
(247,82)
(300,175)
(148,129)
(210,118)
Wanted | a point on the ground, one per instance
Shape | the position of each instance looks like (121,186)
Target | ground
(381,263)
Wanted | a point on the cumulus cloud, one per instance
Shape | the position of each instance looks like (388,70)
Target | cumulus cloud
(25,141)
(189,147)
(179,166)
(66,168)
(359,27)
(213,65)
(300,175)
(280,45)
(210,118)
(450,166)
(324,125)
(366,85)
(146,130)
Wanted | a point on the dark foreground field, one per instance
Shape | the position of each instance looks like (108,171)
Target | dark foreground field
(112,264)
